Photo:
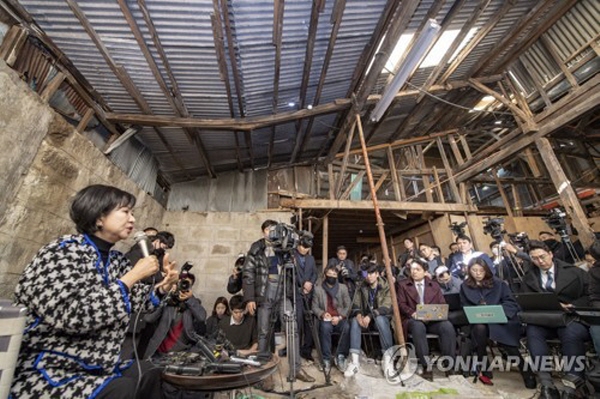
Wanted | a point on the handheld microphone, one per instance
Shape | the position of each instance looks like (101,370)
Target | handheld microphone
(141,239)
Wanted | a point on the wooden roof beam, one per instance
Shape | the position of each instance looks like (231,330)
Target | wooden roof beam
(410,207)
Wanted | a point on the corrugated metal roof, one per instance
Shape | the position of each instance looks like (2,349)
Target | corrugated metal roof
(185,31)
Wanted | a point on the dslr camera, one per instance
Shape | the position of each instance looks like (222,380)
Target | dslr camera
(493,227)
(458,229)
(556,221)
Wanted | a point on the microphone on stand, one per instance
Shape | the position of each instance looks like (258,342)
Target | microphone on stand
(141,239)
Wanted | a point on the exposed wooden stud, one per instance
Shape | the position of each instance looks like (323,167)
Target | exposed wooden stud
(551,47)
(527,67)
(340,181)
(395,180)
(85,119)
(52,86)
(438,186)
(129,133)
(331,181)
(357,180)
(452,182)
(455,151)
(518,209)
(380,182)
(465,146)
(505,101)
(566,192)
(12,44)
(502,193)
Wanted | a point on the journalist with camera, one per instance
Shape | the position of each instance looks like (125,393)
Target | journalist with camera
(180,320)
(345,267)
(234,283)
(263,286)
(306,276)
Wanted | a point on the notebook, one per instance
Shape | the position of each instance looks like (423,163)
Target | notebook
(538,301)
(435,312)
(485,314)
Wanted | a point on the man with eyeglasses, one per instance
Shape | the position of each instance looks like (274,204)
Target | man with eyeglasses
(570,284)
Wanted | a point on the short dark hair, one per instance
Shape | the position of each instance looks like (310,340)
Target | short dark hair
(267,223)
(340,247)
(332,267)
(424,244)
(409,239)
(536,244)
(237,302)
(221,301)
(421,263)
(463,237)
(165,238)
(94,202)
(451,244)
(493,244)
(150,228)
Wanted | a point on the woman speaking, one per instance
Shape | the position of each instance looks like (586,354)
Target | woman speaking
(80,297)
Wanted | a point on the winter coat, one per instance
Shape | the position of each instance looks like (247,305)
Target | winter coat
(341,302)
(498,294)
(408,298)
(571,283)
(256,273)
(194,322)
(383,300)
(78,313)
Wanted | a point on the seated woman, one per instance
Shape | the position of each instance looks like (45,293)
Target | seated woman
(416,290)
(220,310)
(80,297)
(482,288)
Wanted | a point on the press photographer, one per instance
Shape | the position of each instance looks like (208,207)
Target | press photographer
(565,250)
(306,276)
(264,282)
(179,320)
(510,262)
(346,270)
(234,283)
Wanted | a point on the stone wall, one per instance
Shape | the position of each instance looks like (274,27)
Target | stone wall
(212,241)
(44,163)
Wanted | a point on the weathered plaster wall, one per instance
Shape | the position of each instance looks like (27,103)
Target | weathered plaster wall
(44,163)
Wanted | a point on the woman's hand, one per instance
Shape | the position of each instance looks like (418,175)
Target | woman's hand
(145,267)
(171,275)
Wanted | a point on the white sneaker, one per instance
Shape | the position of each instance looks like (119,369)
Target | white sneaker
(352,370)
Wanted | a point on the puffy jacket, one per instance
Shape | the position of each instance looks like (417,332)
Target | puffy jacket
(382,297)
(256,272)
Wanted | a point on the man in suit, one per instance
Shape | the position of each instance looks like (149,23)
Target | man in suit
(419,289)
(457,263)
(570,284)
(306,276)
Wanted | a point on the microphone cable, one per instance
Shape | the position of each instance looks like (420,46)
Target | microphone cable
(135,322)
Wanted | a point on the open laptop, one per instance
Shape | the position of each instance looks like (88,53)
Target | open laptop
(589,315)
(453,301)
(485,314)
(432,312)
(539,301)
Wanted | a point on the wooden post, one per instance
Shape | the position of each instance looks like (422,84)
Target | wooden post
(452,182)
(85,119)
(395,181)
(11,45)
(502,193)
(384,248)
(567,194)
(325,241)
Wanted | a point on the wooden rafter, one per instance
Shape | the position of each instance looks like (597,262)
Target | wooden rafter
(277,41)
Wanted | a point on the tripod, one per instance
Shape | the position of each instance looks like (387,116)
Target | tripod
(564,236)
(510,259)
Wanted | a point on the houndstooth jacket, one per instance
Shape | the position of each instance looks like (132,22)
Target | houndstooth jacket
(78,313)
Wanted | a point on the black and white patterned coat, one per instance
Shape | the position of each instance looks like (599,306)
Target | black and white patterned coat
(78,316)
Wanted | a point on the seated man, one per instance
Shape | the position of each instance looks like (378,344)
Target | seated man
(240,329)
(570,284)
(419,289)
(457,263)
(372,309)
(347,273)
(331,305)
(432,259)
(180,322)
(448,283)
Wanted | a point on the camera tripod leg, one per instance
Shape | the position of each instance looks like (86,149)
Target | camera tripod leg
(314,330)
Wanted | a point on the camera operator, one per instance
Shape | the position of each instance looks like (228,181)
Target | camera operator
(458,262)
(560,249)
(179,321)
(260,284)
(306,276)
(161,241)
(346,270)
(234,284)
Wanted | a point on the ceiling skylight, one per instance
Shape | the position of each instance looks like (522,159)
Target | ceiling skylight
(435,55)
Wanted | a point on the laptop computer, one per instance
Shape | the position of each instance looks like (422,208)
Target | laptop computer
(589,315)
(453,301)
(485,314)
(435,312)
(546,301)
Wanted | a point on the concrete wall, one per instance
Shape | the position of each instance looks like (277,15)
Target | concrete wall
(212,241)
(44,163)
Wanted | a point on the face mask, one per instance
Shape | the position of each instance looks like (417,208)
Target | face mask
(330,280)
(495,251)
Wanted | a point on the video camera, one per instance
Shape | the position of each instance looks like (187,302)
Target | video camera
(521,240)
(493,227)
(283,237)
(239,263)
(556,221)
(458,229)
(183,285)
